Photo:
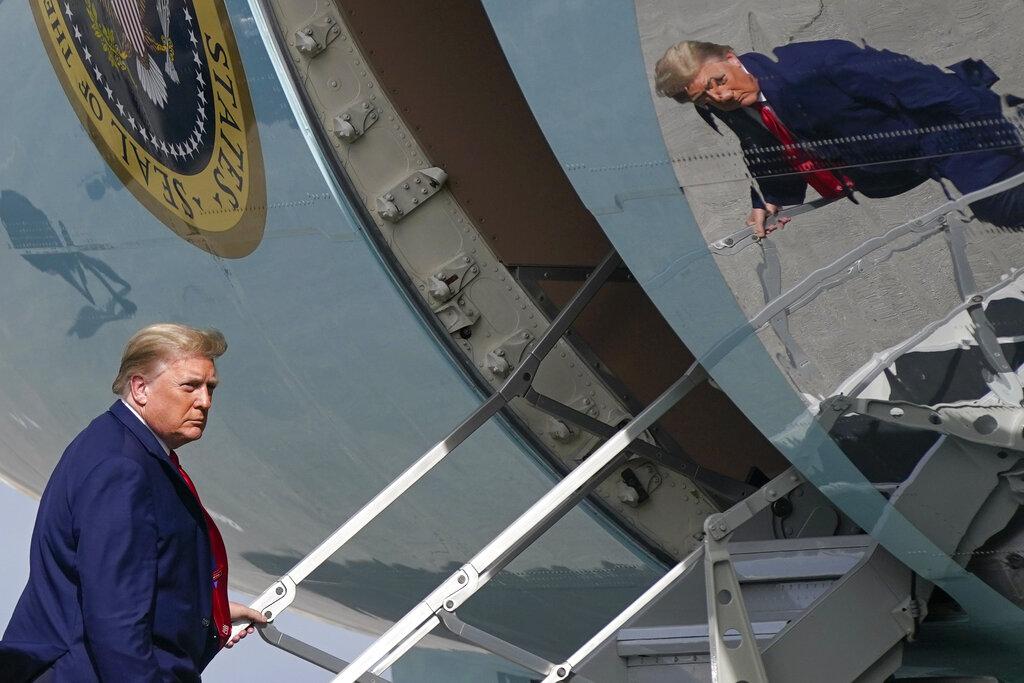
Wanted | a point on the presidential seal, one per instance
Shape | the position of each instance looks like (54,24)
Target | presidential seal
(160,88)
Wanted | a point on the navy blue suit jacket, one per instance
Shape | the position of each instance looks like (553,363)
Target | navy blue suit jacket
(119,584)
(890,122)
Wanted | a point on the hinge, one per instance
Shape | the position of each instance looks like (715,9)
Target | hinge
(458,316)
(451,278)
(350,124)
(505,357)
(403,198)
(314,37)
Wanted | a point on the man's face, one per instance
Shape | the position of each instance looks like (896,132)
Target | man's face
(176,402)
(724,85)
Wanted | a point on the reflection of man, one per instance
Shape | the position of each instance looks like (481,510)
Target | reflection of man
(128,572)
(839,117)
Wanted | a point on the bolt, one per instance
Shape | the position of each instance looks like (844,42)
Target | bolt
(405,186)
(418,180)
(346,117)
(896,412)
(280,590)
(268,614)
(474,269)
(976,299)
(415,201)
(334,84)
(330,20)
(423,191)
(462,579)
(561,671)
(499,352)
(390,197)
(449,604)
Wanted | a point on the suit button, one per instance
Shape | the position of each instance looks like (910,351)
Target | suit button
(206,621)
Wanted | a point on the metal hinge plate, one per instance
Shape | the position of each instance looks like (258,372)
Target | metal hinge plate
(451,278)
(406,196)
(314,37)
(350,124)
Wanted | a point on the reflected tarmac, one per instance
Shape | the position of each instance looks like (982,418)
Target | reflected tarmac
(31,233)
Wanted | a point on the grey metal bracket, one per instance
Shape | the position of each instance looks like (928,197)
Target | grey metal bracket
(721,525)
(506,356)
(314,37)
(734,654)
(735,657)
(410,194)
(452,277)
(737,241)
(492,643)
(993,425)
(309,653)
(351,124)
(457,315)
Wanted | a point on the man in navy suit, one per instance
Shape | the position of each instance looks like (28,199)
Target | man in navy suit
(128,573)
(844,118)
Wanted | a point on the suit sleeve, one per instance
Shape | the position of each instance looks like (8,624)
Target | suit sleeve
(117,545)
(904,84)
(922,95)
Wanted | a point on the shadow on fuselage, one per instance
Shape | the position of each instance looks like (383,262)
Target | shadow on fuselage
(548,611)
(34,237)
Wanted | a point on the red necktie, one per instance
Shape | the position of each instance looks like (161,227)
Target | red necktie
(828,184)
(221,611)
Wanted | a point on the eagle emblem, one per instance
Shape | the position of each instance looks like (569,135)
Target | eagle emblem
(160,87)
(129,40)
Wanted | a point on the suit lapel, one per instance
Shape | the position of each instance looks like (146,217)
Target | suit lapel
(141,431)
(784,101)
(153,447)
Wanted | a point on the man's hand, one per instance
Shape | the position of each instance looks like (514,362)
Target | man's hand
(240,612)
(758,220)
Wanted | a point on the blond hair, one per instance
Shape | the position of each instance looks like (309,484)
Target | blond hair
(680,64)
(165,342)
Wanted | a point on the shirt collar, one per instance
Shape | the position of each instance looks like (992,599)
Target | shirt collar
(167,450)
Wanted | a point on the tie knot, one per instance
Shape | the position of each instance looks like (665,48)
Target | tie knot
(174,458)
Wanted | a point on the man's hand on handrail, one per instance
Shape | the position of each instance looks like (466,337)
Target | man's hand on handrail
(762,227)
(240,612)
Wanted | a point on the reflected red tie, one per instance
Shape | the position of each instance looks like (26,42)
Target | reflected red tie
(221,611)
(828,184)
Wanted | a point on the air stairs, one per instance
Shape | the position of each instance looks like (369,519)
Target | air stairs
(745,606)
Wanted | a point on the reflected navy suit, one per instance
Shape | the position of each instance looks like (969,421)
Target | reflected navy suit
(119,584)
(890,122)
